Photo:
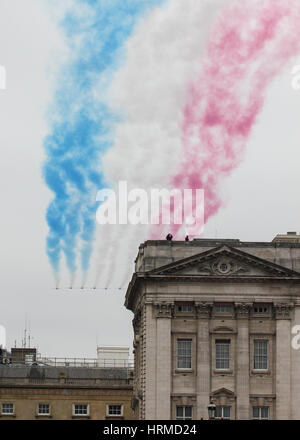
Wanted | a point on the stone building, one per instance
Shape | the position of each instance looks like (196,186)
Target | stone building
(214,320)
(34,392)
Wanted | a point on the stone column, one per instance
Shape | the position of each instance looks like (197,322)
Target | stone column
(283,361)
(137,351)
(242,361)
(203,359)
(149,364)
(163,361)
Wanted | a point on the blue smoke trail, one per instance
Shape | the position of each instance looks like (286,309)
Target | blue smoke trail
(81,125)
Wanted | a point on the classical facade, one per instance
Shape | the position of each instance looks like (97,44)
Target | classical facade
(34,392)
(214,320)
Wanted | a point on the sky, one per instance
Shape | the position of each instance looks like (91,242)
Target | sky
(260,197)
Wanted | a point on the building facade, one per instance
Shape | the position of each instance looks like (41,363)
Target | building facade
(215,320)
(35,392)
(113,356)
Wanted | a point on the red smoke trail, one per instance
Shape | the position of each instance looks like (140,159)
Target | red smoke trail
(248,46)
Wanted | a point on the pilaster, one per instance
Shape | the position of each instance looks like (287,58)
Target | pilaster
(203,358)
(283,360)
(242,361)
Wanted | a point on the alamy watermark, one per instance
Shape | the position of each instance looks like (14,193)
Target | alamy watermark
(2,77)
(2,336)
(296,338)
(295,83)
(155,206)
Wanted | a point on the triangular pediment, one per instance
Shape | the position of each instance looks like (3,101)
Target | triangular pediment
(222,392)
(225,262)
(222,329)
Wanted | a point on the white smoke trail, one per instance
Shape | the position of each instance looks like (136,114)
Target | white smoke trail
(149,91)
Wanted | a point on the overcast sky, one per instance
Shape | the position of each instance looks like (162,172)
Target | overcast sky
(261,197)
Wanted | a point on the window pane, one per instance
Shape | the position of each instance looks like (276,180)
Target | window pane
(183,412)
(115,410)
(44,408)
(261,412)
(185,308)
(261,309)
(256,413)
(188,412)
(7,408)
(184,353)
(218,412)
(265,413)
(222,354)
(222,412)
(222,308)
(81,409)
(260,355)
(226,412)
(179,412)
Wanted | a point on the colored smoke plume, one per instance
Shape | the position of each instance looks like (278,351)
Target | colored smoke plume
(81,123)
(248,46)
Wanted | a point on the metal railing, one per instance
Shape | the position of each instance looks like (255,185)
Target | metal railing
(85,362)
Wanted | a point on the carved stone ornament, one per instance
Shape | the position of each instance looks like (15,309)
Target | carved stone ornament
(136,322)
(222,266)
(283,310)
(242,310)
(203,309)
(163,310)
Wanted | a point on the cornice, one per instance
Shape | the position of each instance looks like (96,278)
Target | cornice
(237,275)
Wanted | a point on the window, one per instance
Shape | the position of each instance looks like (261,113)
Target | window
(184,353)
(184,413)
(80,410)
(185,308)
(114,410)
(222,308)
(7,408)
(222,354)
(223,412)
(261,309)
(260,355)
(261,412)
(44,409)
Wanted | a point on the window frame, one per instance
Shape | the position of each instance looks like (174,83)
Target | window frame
(260,411)
(178,340)
(222,407)
(7,413)
(190,308)
(255,312)
(255,341)
(223,312)
(228,343)
(74,414)
(184,417)
(108,405)
(43,413)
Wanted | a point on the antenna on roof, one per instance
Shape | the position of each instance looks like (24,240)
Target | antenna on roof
(25,333)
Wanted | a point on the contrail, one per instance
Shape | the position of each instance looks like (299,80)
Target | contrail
(81,124)
(248,46)
(149,90)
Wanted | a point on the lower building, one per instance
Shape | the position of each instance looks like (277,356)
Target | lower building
(63,393)
(217,320)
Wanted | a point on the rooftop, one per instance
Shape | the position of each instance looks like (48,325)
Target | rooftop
(20,375)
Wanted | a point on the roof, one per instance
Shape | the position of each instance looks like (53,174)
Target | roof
(203,266)
(13,371)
